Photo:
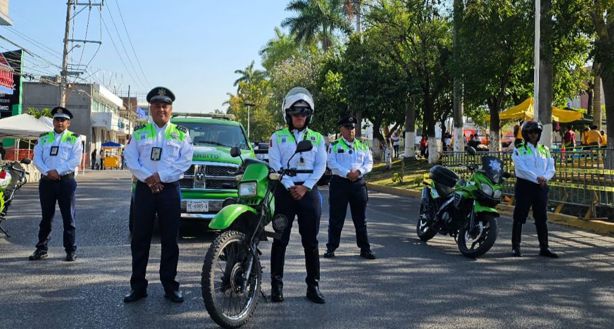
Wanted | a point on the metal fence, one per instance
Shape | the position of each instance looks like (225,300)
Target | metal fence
(581,178)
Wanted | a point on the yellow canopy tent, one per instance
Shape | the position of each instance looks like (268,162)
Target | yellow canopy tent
(524,111)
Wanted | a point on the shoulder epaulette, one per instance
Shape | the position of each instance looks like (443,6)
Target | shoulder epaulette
(74,134)
(182,129)
(43,134)
(140,126)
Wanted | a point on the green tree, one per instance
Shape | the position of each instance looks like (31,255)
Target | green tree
(279,49)
(44,112)
(252,103)
(317,20)
(248,75)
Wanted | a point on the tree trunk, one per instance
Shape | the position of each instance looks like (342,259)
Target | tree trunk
(494,144)
(429,121)
(459,141)
(358,118)
(597,114)
(546,72)
(607,78)
(409,150)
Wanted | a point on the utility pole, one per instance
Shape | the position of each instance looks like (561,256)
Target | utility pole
(64,73)
(67,49)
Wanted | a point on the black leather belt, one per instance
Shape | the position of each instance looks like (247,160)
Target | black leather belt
(62,177)
(359,180)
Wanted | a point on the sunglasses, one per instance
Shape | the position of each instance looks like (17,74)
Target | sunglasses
(60,119)
(301,114)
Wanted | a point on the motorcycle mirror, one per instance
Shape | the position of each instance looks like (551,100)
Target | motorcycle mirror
(304,146)
(235,152)
(471,150)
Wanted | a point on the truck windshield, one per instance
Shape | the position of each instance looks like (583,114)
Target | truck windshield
(216,134)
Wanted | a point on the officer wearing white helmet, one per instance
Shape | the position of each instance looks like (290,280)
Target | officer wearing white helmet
(299,195)
(534,167)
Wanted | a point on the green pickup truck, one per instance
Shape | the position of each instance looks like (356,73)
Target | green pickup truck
(211,178)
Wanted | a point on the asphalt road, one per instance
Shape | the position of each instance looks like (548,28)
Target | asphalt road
(410,285)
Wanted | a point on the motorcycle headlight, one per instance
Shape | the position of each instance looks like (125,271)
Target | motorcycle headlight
(247,189)
(497,194)
(487,189)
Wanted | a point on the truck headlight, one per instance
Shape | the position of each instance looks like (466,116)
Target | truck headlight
(487,189)
(247,189)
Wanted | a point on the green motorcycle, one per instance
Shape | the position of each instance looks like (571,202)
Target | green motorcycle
(231,275)
(465,210)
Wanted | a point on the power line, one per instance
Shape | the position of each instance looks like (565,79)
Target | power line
(121,42)
(36,43)
(118,53)
(131,44)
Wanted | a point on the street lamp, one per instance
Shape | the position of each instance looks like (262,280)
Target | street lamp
(248,105)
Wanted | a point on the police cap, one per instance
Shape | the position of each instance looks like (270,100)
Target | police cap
(160,95)
(61,112)
(347,122)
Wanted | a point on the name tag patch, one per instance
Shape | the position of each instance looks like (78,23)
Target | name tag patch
(54,151)
(156,153)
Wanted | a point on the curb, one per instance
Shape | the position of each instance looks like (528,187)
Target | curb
(596,226)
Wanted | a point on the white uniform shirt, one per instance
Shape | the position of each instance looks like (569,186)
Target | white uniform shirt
(176,156)
(532,164)
(350,158)
(283,147)
(66,160)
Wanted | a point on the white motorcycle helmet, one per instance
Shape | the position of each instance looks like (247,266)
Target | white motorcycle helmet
(297,100)
(5,179)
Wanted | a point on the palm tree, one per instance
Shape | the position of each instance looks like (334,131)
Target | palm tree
(317,19)
(278,49)
(248,75)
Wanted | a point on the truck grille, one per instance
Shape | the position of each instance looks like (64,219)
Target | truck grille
(210,177)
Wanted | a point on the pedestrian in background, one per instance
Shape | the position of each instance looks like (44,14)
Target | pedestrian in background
(101,167)
(157,155)
(56,155)
(396,143)
(534,167)
(298,196)
(2,152)
(349,160)
(93,159)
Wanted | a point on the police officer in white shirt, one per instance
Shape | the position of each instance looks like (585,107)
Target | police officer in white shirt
(157,155)
(349,160)
(534,167)
(56,155)
(299,195)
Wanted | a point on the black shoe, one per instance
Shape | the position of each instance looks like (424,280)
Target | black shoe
(135,295)
(314,295)
(174,296)
(277,295)
(38,254)
(546,252)
(516,252)
(70,256)
(329,254)
(367,254)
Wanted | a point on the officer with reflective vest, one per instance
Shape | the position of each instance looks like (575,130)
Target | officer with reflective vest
(534,167)
(349,160)
(57,156)
(157,155)
(298,195)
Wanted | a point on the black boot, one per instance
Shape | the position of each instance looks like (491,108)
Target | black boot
(516,237)
(542,236)
(278,255)
(312,264)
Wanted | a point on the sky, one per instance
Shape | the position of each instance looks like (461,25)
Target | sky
(192,47)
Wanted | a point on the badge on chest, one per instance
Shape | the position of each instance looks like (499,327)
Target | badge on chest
(156,153)
(54,151)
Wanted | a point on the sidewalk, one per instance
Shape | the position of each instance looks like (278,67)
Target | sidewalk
(596,226)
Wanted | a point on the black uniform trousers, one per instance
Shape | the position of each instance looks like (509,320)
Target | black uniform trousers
(167,204)
(308,210)
(530,195)
(342,191)
(63,192)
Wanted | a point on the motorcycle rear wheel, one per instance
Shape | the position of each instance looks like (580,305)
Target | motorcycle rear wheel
(477,244)
(229,297)
(425,228)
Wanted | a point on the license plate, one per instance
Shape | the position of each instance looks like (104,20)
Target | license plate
(198,206)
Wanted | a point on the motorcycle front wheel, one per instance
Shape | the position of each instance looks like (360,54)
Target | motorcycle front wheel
(230,297)
(476,242)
